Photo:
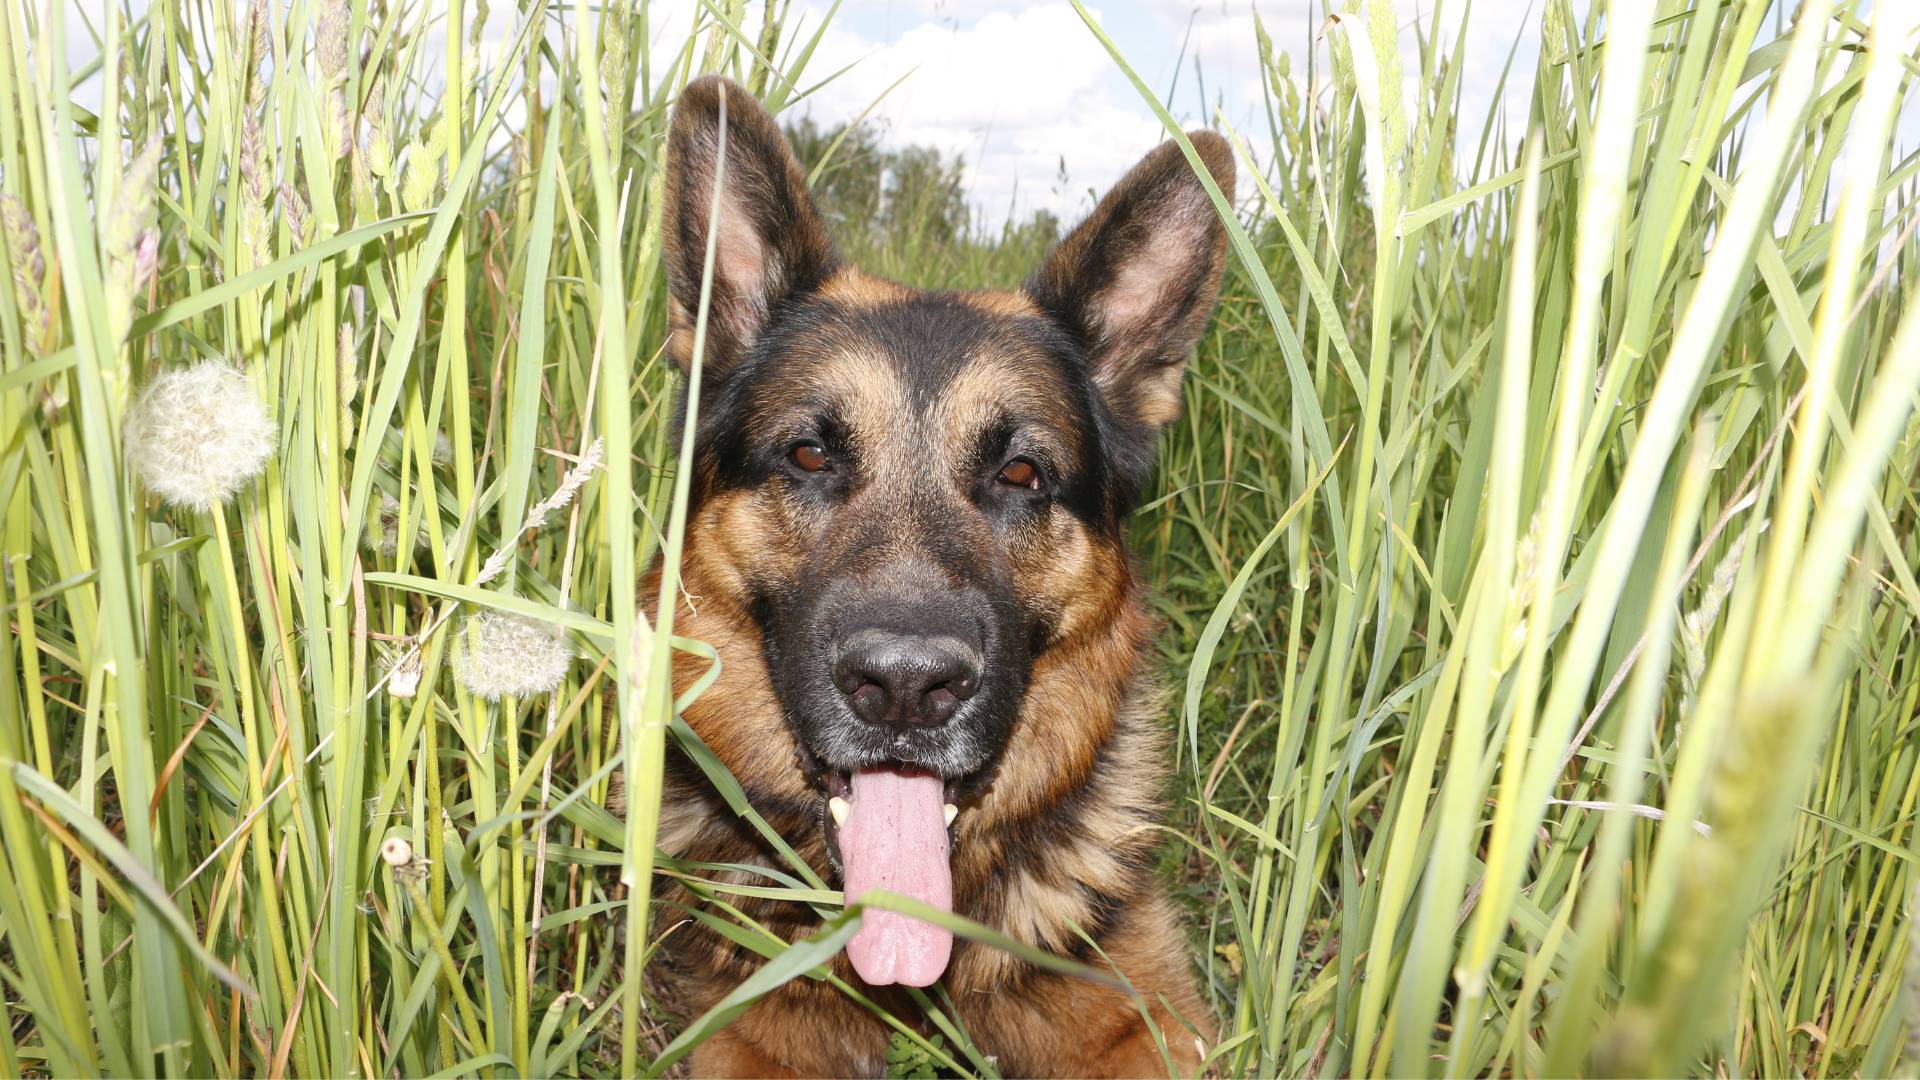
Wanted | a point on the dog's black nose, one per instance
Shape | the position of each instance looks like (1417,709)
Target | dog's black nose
(906,680)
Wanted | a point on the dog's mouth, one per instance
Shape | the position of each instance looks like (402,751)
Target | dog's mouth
(890,826)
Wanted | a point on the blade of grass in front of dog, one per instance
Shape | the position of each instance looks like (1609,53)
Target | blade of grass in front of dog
(646,730)
(961,926)
(800,958)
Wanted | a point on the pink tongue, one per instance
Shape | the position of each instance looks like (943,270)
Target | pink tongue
(895,838)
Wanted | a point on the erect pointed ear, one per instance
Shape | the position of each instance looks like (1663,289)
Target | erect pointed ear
(1137,280)
(771,244)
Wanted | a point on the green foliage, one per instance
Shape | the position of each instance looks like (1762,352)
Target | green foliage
(903,212)
(1537,549)
(905,1061)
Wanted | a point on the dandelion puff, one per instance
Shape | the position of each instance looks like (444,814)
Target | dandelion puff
(442,451)
(403,674)
(197,435)
(396,852)
(499,655)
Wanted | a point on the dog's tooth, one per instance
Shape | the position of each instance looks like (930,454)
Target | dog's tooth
(838,807)
(952,812)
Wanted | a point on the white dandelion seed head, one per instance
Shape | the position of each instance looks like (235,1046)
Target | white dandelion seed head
(396,852)
(442,451)
(196,435)
(403,673)
(500,655)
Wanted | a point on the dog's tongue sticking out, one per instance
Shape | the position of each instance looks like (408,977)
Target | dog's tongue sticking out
(895,837)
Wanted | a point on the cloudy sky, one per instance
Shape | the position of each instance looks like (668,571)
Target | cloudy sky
(1022,92)
(1020,89)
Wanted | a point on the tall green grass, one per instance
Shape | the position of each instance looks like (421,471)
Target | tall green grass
(1537,549)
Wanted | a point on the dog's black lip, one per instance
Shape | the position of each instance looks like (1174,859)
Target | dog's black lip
(831,781)
(833,778)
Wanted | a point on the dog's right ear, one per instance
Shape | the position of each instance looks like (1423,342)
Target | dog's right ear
(772,243)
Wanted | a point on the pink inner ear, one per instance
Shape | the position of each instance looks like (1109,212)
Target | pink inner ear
(1136,297)
(741,260)
(1137,289)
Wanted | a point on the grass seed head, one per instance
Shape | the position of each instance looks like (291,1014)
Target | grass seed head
(500,655)
(262,45)
(29,270)
(348,355)
(134,207)
(196,435)
(295,210)
(330,39)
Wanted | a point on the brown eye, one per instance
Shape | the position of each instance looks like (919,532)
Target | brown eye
(1020,473)
(809,456)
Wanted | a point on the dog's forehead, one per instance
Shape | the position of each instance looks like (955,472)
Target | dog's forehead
(876,356)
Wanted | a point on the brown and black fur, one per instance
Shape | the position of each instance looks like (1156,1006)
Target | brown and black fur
(921,394)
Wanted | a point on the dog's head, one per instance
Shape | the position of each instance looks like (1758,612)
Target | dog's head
(916,494)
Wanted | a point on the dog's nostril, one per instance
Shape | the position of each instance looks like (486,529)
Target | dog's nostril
(869,701)
(905,680)
(939,705)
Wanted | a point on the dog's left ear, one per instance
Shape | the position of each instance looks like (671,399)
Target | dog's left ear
(772,243)
(1137,280)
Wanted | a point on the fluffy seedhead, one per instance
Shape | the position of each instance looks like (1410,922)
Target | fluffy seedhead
(196,435)
(499,655)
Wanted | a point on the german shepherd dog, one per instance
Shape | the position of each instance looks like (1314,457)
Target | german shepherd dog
(907,542)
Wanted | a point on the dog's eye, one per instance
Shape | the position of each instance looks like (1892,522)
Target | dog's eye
(810,456)
(1020,473)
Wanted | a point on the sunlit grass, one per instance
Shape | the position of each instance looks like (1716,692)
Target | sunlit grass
(1536,551)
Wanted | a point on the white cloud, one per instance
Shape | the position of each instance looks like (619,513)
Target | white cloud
(1013,93)
(1021,90)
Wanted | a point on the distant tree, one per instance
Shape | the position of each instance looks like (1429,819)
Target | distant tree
(867,187)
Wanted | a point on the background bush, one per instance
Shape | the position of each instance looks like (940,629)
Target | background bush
(1536,550)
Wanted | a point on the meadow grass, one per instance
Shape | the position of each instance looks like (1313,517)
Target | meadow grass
(1536,549)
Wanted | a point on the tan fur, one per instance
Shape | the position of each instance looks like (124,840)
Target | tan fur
(852,286)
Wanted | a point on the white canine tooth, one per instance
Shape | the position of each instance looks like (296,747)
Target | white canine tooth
(952,812)
(838,807)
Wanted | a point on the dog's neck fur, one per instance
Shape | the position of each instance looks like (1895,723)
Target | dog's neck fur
(1041,852)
